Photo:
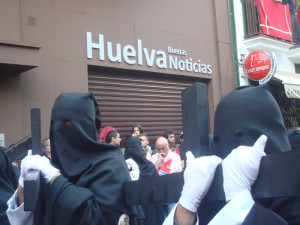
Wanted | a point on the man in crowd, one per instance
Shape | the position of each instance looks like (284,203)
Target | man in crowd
(113,138)
(104,132)
(145,145)
(172,146)
(46,148)
(165,161)
(170,136)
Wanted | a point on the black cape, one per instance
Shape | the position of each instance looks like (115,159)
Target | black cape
(261,215)
(133,149)
(294,138)
(8,185)
(91,188)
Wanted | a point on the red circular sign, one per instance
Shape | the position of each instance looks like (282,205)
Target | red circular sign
(257,65)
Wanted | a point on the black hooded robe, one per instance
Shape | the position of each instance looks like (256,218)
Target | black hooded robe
(90,189)
(8,185)
(133,149)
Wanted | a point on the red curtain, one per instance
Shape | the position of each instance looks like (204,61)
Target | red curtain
(274,19)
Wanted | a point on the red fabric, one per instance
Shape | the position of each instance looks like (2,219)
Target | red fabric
(166,168)
(177,150)
(274,19)
(104,132)
(298,15)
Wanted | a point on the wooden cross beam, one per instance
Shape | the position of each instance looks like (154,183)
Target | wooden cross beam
(19,149)
(36,131)
(32,183)
(195,119)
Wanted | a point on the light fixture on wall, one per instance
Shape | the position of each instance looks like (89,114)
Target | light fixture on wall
(242,58)
(241,61)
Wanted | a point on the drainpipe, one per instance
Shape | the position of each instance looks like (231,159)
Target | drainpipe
(233,43)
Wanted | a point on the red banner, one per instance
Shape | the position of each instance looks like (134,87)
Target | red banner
(298,15)
(274,19)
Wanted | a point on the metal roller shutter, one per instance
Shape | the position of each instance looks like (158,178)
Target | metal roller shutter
(153,102)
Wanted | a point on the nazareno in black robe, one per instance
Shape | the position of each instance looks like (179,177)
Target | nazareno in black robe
(90,190)
(133,149)
(294,138)
(241,117)
(8,185)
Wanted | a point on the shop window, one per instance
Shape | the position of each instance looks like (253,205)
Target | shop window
(289,107)
(297,68)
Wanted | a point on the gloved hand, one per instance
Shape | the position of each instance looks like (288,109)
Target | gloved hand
(36,162)
(22,174)
(240,167)
(198,177)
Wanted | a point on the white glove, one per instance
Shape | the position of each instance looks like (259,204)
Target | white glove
(240,167)
(198,177)
(22,173)
(36,162)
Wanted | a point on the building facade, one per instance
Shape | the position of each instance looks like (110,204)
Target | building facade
(136,56)
(266,25)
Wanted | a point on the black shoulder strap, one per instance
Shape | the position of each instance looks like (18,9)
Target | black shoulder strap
(260,215)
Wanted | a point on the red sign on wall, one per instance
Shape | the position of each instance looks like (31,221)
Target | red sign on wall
(260,66)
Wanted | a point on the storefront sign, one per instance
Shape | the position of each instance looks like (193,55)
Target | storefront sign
(292,90)
(260,66)
(133,55)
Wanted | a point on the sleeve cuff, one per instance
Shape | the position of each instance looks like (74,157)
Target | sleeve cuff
(16,214)
(170,220)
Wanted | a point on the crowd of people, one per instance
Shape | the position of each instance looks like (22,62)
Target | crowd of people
(85,170)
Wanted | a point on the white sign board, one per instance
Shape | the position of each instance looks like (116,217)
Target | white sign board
(171,58)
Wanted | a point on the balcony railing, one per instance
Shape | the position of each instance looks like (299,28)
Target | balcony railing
(251,16)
